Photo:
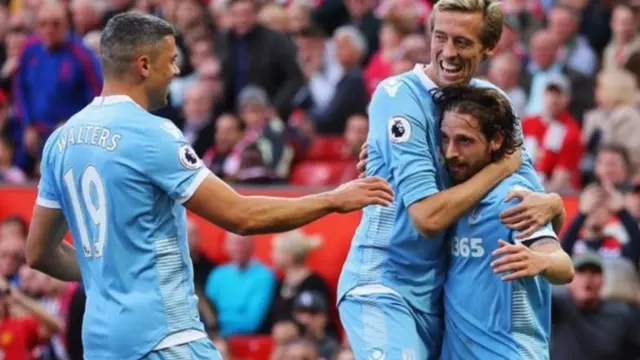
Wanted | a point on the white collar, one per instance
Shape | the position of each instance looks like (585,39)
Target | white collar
(112,99)
(424,79)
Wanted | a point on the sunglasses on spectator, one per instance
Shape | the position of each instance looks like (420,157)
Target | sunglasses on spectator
(19,30)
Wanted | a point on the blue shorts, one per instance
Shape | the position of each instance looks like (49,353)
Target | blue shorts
(202,349)
(385,326)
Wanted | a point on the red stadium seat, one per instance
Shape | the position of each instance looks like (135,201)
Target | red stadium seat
(256,347)
(321,173)
(324,148)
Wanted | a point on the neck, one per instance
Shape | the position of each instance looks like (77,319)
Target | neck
(135,92)
(431,73)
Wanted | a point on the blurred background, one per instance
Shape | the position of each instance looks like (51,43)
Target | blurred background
(273,96)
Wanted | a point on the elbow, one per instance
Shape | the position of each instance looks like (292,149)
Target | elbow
(428,226)
(34,257)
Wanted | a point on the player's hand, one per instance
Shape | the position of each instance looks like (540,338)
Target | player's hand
(362,161)
(517,260)
(356,194)
(531,214)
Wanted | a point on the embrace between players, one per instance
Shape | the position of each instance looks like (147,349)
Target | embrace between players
(447,265)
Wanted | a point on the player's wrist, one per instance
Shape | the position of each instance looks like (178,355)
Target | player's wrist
(329,201)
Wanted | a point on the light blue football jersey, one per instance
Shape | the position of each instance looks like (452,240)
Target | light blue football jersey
(485,317)
(120,176)
(403,145)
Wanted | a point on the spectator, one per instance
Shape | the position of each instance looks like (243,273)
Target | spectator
(13,226)
(302,350)
(587,231)
(197,114)
(355,135)
(616,120)
(263,130)
(317,57)
(229,132)
(202,58)
(241,290)
(584,326)
(298,16)
(290,253)
(553,138)
(86,15)
(363,18)
(394,29)
(612,165)
(276,71)
(18,31)
(519,15)
(626,40)
(283,333)
(310,310)
(11,258)
(351,95)
(273,17)
(9,174)
(576,52)
(24,332)
(544,62)
(504,72)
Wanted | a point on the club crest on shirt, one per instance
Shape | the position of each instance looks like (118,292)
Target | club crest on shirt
(188,158)
(399,129)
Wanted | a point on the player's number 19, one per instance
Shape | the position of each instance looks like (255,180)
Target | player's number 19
(89,180)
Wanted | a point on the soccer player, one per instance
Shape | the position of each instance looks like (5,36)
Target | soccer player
(121,178)
(390,289)
(497,294)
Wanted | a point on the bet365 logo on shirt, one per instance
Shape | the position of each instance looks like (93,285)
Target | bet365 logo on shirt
(467,247)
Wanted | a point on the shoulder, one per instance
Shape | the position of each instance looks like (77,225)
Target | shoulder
(397,88)
(496,197)
(31,47)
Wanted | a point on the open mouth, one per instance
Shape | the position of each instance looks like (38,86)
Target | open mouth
(450,68)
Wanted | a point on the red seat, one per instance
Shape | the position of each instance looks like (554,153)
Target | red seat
(326,148)
(321,173)
(254,347)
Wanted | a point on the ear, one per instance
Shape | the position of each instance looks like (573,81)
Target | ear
(488,52)
(143,65)
(496,143)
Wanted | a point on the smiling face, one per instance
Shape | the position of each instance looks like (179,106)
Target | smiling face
(456,47)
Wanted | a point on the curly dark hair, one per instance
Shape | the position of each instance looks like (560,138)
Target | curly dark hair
(492,109)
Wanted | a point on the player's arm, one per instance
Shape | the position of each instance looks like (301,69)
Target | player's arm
(413,161)
(534,210)
(174,167)
(539,254)
(46,251)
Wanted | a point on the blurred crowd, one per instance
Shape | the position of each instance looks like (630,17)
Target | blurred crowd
(276,92)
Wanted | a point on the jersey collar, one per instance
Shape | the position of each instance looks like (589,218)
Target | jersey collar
(112,99)
(424,79)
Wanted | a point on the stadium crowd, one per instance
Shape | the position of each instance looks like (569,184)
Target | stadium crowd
(276,92)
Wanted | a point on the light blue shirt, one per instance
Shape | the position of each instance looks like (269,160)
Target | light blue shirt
(242,296)
(120,176)
(487,318)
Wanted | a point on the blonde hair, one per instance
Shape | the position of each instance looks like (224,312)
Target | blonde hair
(297,244)
(491,12)
(620,85)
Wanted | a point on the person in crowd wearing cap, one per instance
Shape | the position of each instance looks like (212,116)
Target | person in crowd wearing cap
(264,131)
(553,138)
(506,271)
(311,311)
(290,253)
(241,290)
(588,229)
(584,326)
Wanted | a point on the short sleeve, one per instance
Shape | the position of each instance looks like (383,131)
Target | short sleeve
(171,162)
(399,127)
(545,232)
(48,195)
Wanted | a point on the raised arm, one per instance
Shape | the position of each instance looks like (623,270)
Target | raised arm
(400,137)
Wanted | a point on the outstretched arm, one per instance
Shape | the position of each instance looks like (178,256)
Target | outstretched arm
(217,202)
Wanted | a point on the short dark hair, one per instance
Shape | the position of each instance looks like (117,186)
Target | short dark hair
(19,220)
(617,149)
(123,37)
(491,108)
